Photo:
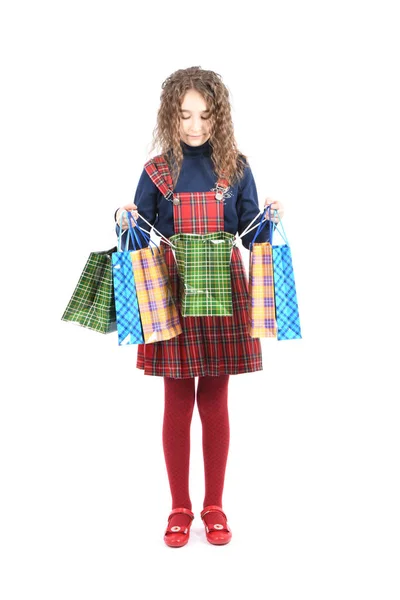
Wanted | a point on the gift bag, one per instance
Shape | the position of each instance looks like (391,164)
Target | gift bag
(286,306)
(158,312)
(203,263)
(129,326)
(92,303)
(262,321)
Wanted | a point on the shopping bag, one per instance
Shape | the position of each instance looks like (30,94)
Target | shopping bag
(129,326)
(158,312)
(203,263)
(92,303)
(286,306)
(262,321)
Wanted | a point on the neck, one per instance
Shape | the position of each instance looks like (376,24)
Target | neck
(202,150)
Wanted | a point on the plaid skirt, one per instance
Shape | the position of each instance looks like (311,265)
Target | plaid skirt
(207,346)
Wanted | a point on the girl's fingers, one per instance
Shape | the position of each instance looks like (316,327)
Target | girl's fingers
(274,218)
(130,210)
(135,215)
(274,205)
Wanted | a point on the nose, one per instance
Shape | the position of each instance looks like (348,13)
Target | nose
(196,126)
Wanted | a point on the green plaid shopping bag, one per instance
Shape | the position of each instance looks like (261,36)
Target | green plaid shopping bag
(92,304)
(203,263)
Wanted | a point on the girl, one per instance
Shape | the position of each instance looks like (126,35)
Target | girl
(208,187)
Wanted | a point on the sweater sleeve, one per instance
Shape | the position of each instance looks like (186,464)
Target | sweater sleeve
(247,208)
(146,202)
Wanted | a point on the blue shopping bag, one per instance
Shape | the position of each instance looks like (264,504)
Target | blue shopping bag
(286,306)
(129,325)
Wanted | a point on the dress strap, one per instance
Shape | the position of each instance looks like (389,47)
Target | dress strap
(158,170)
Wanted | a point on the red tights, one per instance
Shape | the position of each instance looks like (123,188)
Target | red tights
(212,403)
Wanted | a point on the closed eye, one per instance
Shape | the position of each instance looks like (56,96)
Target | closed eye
(204,118)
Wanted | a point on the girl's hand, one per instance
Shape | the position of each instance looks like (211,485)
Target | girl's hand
(275,205)
(131,208)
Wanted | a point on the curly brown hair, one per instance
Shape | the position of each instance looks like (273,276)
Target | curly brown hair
(227,160)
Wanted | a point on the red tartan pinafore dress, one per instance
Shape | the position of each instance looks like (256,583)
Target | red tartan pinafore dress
(207,345)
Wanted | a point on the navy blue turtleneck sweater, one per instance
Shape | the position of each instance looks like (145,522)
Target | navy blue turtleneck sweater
(197,175)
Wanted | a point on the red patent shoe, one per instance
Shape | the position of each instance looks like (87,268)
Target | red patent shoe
(219,531)
(177,536)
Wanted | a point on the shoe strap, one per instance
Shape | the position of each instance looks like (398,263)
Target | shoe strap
(185,511)
(212,508)
(182,529)
(215,509)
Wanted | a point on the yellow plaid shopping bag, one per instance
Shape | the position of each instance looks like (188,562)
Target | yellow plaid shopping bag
(158,312)
(262,321)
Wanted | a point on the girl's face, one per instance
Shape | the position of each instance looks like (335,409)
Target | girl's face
(195,119)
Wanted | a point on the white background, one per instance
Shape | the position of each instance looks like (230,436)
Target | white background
(312,481)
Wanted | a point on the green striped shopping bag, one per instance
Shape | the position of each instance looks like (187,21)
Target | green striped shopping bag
(203,263)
